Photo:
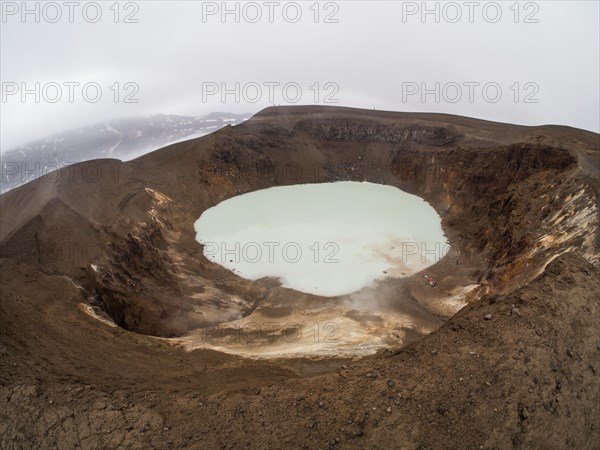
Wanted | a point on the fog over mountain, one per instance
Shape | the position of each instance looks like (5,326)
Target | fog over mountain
(373,53)
(123,139)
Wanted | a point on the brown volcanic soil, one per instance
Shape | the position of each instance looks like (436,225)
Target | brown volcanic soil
(519,205)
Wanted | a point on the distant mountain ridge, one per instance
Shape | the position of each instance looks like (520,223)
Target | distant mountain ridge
(123,139)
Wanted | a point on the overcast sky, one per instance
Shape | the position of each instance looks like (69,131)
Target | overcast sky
(533,63)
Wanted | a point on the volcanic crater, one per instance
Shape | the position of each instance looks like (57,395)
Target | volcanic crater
(108,249)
